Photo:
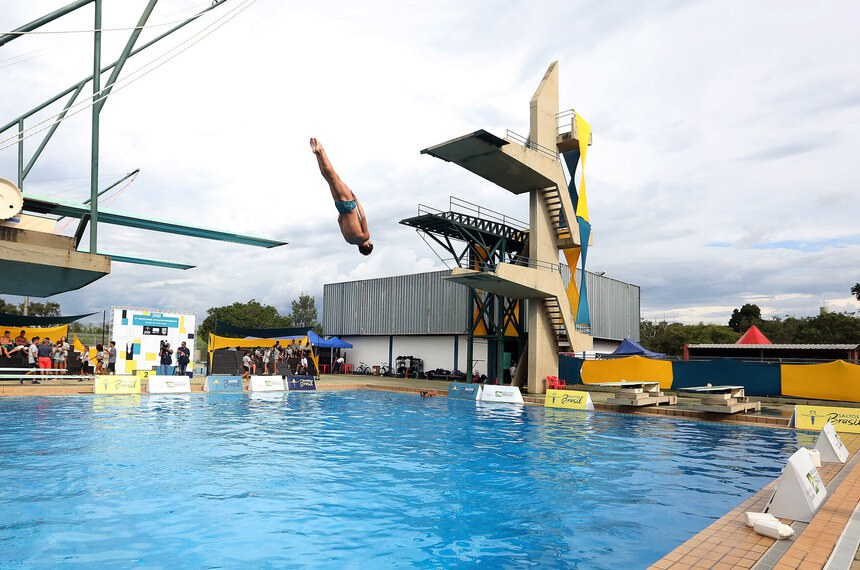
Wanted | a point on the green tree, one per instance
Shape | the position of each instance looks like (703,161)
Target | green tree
(670,338)
(9,308)
(46,309)
(745,317)
(304,313)
(855,290)
(252,314)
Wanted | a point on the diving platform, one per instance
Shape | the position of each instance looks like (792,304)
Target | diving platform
(454,224)
(495,159)
(42,264)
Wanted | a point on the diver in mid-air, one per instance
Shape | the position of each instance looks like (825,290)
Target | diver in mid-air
(351,217)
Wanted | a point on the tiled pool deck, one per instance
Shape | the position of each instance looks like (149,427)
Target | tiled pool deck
(828,540)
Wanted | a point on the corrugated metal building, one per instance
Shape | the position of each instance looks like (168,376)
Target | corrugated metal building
(425,316)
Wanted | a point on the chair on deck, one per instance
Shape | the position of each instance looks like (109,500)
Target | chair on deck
(555,383)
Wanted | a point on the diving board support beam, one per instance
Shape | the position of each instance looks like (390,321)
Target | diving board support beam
(144,261)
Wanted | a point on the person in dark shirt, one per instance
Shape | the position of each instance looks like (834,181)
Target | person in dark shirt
(44,351)
(112,358)
(183,357)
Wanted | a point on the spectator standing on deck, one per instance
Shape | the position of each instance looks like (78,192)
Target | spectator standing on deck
(85,362)
(112,358)
(267,355)
(33,358)
(166,359)
(338,365)
(100,358)
(57,355)
(183,357)
(61,359)
(44,350)
(276,354)
(246,365)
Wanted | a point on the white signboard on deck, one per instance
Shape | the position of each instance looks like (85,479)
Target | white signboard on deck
(800,492)
(266,384)
(830,445)
(505,394)
(138,334)
(169,385)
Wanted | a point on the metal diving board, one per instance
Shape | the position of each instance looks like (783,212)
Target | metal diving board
(69,209)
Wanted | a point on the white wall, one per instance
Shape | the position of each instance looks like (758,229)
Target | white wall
(605,346)
(368,349)
(437,351)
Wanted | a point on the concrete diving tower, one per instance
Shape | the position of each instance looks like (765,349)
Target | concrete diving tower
(532,165)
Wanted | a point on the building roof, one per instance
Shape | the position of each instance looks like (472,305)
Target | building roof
(779,346)
(753,336)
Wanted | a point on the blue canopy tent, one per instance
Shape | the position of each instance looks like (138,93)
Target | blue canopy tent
(630,347)
(332,342)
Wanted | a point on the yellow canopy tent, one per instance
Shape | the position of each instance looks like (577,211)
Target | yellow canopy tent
(216,342)
(53,333)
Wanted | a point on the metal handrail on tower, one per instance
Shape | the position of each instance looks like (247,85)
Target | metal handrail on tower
(528,143)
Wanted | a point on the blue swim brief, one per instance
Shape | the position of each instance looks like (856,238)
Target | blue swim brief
(344,206)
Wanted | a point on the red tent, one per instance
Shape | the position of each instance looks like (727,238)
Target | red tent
(753,336)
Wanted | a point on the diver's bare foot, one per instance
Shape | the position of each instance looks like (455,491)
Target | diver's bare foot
(316,147)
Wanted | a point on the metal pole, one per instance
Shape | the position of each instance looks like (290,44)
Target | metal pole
(21,154)
(94,162)
(51,131)
(26,305)
(470,339)
(132,39)
(16,33)
(134,52)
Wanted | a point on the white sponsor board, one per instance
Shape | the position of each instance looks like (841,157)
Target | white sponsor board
(800,491)
(139,334)
(830,445)
(266,384)
(169,385)
(506,394)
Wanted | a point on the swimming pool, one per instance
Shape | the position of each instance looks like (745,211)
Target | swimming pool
(360,479)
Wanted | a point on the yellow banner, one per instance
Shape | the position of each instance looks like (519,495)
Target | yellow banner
(570,399)
(846,420)
(53,333)
(116,385)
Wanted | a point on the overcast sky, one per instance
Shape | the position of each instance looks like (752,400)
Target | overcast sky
(725,138)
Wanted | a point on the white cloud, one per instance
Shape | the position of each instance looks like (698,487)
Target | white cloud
(721,168)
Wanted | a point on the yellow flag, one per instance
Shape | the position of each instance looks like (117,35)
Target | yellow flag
(583,130)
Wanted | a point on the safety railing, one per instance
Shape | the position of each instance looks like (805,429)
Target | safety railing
(528,143)
(465,207)
(522,261)
(565,121)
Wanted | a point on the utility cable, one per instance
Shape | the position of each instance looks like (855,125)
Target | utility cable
(129,79)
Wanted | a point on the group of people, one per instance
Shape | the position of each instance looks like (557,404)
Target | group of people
(165,358)
(51,359)
(265,360)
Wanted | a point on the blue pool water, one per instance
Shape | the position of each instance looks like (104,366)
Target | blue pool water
(360,479)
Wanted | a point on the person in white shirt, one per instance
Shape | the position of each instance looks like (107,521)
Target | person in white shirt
(267,354)
(33,358)
(339,364)
(303,365)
